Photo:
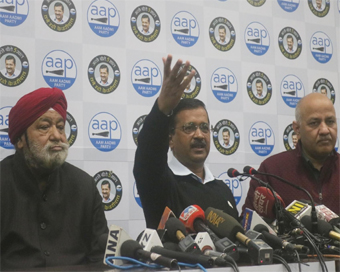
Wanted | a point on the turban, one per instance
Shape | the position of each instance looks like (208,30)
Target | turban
(31,106)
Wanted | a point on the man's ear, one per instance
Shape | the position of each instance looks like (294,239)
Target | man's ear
(296,128)
(21,141)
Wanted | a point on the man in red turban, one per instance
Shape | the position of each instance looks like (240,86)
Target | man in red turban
(51,211)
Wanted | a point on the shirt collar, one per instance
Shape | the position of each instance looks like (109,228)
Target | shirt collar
(180,170)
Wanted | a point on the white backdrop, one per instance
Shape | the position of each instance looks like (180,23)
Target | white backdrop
(104,121)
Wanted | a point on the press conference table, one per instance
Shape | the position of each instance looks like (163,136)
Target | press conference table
(310,267)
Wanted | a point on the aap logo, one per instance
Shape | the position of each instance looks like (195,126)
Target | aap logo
(104,131)
(59,69)
(4,139)
(136,195)
(288,5)
(103,18)
(261,138)
(13,12)
(234,185)
(257,39)
(185,29)
(223,84)
(321,47)
(324,86)
(292,90)
(146,78)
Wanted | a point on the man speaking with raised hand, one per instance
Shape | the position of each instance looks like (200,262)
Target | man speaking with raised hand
(183,125)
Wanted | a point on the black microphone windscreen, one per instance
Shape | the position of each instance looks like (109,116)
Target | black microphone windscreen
(129,248)
(323,227)
(260,228)
(172,225)
(232,172)
(335,222)
(249,170)
(222,223)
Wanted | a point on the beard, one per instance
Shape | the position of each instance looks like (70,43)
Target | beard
(42,158)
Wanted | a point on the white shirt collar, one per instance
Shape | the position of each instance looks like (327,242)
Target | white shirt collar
(180,170)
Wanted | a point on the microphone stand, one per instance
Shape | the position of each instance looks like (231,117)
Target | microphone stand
(314,217)
(278,207)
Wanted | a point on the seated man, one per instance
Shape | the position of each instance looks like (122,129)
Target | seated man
(183,125)
(313,164)
(51,211)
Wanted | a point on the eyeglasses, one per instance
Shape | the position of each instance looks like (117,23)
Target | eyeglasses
(191,127)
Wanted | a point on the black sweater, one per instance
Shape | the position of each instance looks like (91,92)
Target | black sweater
(158,187)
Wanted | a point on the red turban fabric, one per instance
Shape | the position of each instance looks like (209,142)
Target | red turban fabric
(31,106)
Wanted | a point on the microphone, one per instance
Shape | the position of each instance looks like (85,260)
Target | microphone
(193,218)
(117,236)
(185,257)
(132,249)
(324,228)
(252,218)
(232,172)
(326,214)
(225,225)
(264,202)
(176,232)
(252,171)
(272,240)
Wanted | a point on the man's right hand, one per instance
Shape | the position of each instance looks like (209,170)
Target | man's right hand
(173,84)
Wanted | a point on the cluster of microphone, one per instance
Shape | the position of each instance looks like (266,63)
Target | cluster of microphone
(214,238)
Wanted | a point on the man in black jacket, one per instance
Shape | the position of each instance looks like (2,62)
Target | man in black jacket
(51,211)
(183,125)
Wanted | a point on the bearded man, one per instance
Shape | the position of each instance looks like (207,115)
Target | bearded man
(51,211)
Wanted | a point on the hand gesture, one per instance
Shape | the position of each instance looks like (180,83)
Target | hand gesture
(174,84)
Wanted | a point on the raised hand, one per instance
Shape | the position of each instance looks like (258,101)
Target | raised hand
(173,85)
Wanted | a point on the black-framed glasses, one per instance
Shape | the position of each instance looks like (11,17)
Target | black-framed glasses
(191,127)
